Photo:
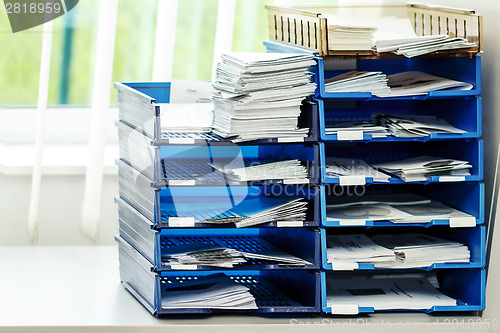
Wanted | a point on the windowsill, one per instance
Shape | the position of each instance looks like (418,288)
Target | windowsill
(69,160)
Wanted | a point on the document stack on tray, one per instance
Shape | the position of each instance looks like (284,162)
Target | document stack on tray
(408,126)
(358,81)
(420,250)
(286,170)
(210,254)
(258,95)
(215,291)
(387,292)
(419,169)
(338,167)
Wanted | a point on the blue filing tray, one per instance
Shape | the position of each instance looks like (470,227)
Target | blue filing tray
(464,113)
(275,291)
(465,196)
(301,242)
(467,286)
(160,205)
(456,68)
(138,108)
(470,150)
(188,165)
(474,238)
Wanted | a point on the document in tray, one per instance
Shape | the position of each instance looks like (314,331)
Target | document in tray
(356,248)
(414,126)
(383,292)
(393,198)
(375,212)
(216,291)
(358,81)
(254,62)
(199,253)
(425,213)
(423,167)
(338,167)
(186,117)
(282,170)
(420,250)
(419,83)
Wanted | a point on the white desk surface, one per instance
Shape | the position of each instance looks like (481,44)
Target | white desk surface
(77,289)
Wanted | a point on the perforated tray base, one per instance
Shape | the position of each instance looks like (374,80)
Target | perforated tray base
(197,138)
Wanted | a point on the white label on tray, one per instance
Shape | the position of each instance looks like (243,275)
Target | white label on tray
(344,266)
(181,222)
(290,140)
(290,224)
(352,222)
(295,181)
(452,178)
(181,182)
(461,222)
(184,267)
(181,141)
(349,135)
(345,309)
(352,180)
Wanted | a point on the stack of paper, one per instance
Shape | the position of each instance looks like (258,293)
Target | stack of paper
(424,213)
(201,254)
(357,81)
(386,292)
(216,291)
(349,33)
(393,198)
(291,210)
(338,167)
(258,95)
(418,250)
(365,127)
(419,169)
(274,255)
(408,126)
(356,215)
(346,250)
(419,83)
(413,46)
(291,170)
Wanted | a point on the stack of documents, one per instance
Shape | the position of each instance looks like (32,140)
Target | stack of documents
(422,211)
(291,170)
(419,83)
(291,210)
(413,46)
(358,81)
(201,254)
(346,250)
(349,33)
(393,198)
(364,126)
(204,254)
(401,84)
(338,167)
(216,291)
(258,95)
(418,250)
(386,292)
(408,126)
(419,169)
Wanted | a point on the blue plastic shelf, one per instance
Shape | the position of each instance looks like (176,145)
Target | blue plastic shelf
(137,102)
(275,291)
(456,68)
(249,240)
(470,150)
(467,286)
(174,207)
(465,196)
(474,238)
(464,113)
(189,166)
